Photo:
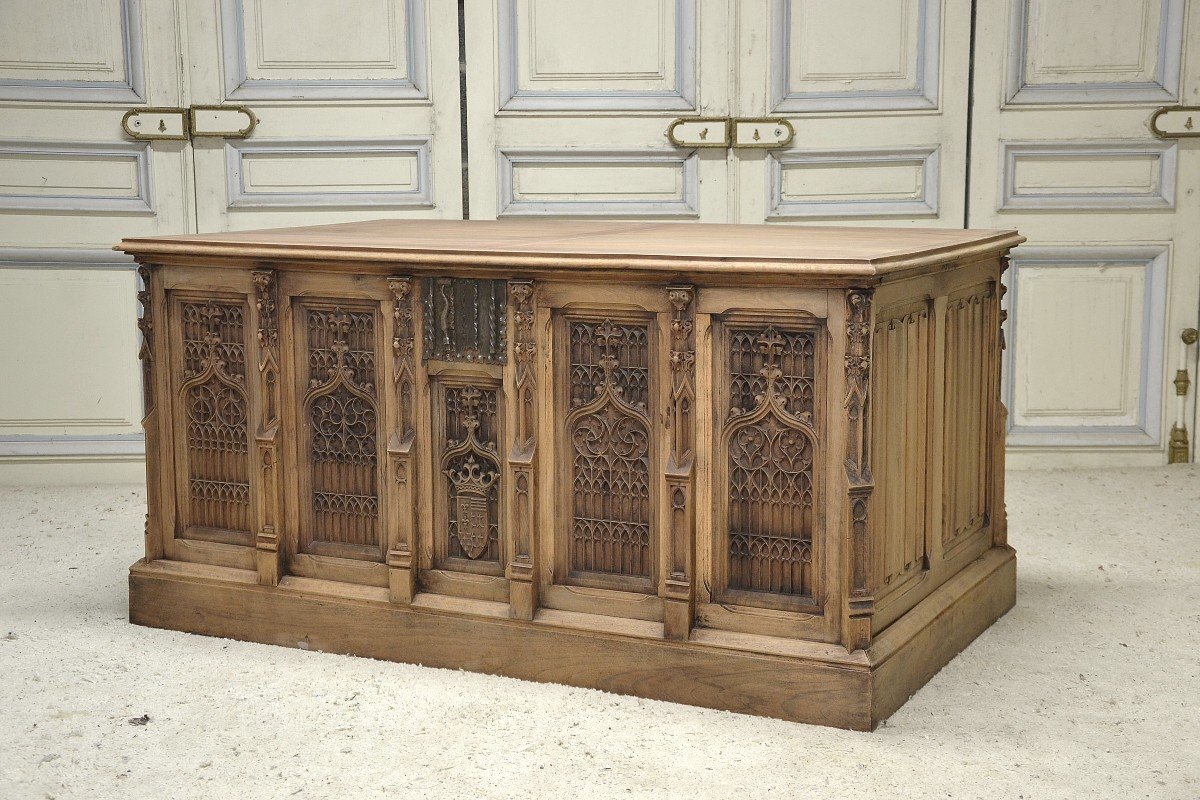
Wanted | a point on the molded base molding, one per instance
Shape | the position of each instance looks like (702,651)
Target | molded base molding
(787,679)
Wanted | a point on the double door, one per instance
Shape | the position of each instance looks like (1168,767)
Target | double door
(888,113)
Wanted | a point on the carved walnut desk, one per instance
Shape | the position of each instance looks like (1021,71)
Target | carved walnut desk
(745,467)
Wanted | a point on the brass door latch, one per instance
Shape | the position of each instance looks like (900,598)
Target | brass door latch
(1177,449)
(180,124)
(737,132)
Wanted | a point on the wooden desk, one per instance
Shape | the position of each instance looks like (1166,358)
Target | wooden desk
(757,468)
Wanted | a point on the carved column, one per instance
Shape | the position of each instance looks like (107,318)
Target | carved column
(150,417)
(858,465)
(522,458)
(402,572)
(678,597)
(999,520)
(268,553)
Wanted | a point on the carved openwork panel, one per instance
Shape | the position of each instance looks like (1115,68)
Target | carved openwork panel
(465,320)
(970,331)
(770,452)
(608,439)
(471,474)
(215,410)
(341,411)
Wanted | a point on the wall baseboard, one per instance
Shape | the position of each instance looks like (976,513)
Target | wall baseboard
(72,470)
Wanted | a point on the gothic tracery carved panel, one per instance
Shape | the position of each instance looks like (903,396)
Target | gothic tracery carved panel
(608,435)
(341,410)
(215,409)
(771,451)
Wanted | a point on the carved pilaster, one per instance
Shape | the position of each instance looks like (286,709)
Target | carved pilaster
(999,518)
(858,465)
(677,589)
(150,425)
(269,553)
(401,569)
(521,459)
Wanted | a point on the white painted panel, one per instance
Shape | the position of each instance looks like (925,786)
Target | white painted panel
(1102,52)
(1083,175)
(855,183)
(323,174)
(70,50)
(316,39)
(597,184)
(1085,365)
(579,54)
(72,369)
(855,54)
(73,41)
(1091,370)
(310,49)
(75,177)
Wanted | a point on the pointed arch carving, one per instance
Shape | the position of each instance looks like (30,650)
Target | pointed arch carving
(342,414)
(608,431)
(215,407)
(771,449)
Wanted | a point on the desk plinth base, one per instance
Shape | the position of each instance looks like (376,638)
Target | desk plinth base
(777,679)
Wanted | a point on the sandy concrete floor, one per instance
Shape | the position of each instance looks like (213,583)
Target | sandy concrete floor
(1089,688)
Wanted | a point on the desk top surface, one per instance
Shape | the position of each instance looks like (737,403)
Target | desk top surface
(614,245)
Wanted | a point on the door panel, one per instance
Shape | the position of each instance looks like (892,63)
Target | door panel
(1063,152)
(71,184)
(876,93)
(569,102)
(346,104)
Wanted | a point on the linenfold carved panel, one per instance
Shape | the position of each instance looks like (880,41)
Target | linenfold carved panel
(771,450)
(608,435)
(471,466)
(970,328)
(216,409)
(901,377)
(341,411)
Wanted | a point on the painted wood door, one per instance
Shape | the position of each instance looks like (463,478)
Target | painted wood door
(347,99)
(71,184)
(876,92)
(568,103)
(1062,150)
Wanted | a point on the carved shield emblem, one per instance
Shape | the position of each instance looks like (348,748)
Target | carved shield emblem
(472,519)
(472,483)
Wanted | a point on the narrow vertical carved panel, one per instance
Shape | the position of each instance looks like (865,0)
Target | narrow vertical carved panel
(465,320)
(681,457)
(471,467)
(216,413)
(150,418)
(901,378)
(608,430)
(770,452)
(521,460)
(970,333)
(401,577)
(1000,418)
(341,411)
(267,435)
(858,465)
